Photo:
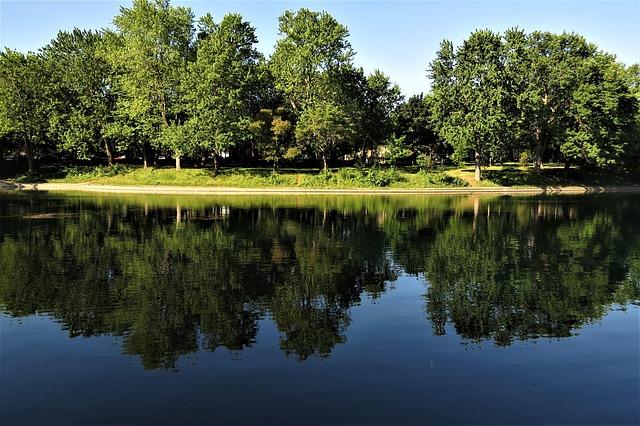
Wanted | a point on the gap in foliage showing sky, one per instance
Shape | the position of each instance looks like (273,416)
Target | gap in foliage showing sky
(398,37)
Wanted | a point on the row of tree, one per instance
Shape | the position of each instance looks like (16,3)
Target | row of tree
(556,96)
(163,84)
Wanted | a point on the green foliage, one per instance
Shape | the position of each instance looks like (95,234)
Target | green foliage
(380,98)
(150,50)
(412,120)
(155,86)
(83,95)
(272,133)
(396,150)
(468,93)
(313,46)
(23,103)
(325,128)
(425,162)
(222,80)
(524,158)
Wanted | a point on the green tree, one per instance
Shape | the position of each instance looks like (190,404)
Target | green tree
(325,128)
(272,132)
(151,50)
(552,62)
(313,45)
(381,98)
(223,80)
(412,120)
(468,96)
(603,112)
(396,150)
(24,114)
(82,95)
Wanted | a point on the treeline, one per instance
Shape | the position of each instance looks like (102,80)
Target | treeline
(163,84)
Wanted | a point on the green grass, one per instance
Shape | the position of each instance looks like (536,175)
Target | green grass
(349,177)
(248,177)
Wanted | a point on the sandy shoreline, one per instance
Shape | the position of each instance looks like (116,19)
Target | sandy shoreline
(198,190)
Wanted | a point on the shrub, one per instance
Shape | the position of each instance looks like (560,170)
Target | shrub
(425,162)
(381,177)
(525,158)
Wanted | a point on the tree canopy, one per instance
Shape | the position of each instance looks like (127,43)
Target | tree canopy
(163,84)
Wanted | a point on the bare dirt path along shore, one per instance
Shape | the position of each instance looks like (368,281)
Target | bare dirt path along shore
(203,190)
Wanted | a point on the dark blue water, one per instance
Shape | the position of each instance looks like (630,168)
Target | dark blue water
(319,310)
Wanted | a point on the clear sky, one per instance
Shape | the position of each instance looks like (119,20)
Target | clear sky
(400,38)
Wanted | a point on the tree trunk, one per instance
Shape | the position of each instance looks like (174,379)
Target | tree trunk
(29,153)
(478,173)
(145,155)
(109,152)
(540,148)
(177,162)
(215,163)
(324,162)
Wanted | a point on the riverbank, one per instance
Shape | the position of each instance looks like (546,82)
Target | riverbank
(345,178)
(200,190)
(348,180)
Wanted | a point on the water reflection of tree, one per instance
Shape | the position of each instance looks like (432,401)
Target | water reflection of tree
(206,282)
(498,270)
(528,272)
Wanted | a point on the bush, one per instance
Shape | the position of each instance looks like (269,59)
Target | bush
(381,177)
(425,162)
(441,180)
(525,158)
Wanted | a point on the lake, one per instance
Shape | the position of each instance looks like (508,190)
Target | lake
(319,309)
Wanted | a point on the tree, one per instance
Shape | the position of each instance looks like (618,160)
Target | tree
(311,47)
(271,132)
(412,120)
(552,62)
(223,81)
(151,51)
(324,127)
(396,150)
(603,113)
(468,96)
(381,98)
(82,94)
(23,102)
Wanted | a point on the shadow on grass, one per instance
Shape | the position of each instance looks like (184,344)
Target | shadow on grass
(553,177)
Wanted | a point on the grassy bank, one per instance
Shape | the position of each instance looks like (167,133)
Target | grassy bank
(250,178)
(344,178)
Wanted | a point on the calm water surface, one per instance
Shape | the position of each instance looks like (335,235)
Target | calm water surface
(307,310)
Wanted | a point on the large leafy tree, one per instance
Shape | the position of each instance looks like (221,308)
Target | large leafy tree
(82,94)
(151,51)
(272,132)
(575,103)
(312,67)
(224,82)
(324,127)
(553,63)
(603,113)
(24,105)
(412,121)
(381,98)
(312,47)
(468,97)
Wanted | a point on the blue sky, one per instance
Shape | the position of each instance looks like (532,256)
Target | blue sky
(399,38)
